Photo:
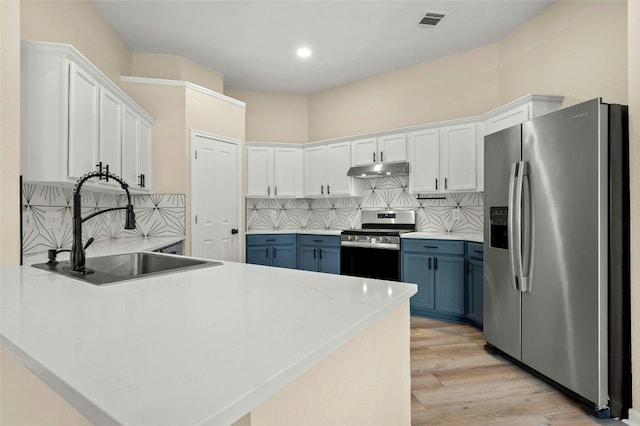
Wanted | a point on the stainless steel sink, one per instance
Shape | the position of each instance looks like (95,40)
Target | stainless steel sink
(121,267)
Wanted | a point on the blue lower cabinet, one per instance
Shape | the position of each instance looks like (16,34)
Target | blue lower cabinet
(416,269)
(475,271)
(319,253)
(449,283)
(437,267)
(272,250)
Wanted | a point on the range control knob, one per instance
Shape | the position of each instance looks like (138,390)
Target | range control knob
(373,240)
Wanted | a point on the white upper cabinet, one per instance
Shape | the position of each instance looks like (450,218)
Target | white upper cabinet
(315,171)
(458,157)
(136,151)
(424,158)
(443,159)
(74,120)
(84,93)
(383,149)
(325,170)
(110,141)
(519,111)
(338,164)
(274,171)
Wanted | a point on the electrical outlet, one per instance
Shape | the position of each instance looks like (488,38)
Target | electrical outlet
(52,220)
(27,220)
(456,214)
(273,215)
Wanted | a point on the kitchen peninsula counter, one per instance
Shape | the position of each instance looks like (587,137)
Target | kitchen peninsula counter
(209,346)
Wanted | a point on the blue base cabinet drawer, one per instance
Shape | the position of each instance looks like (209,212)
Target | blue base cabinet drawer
(272,250)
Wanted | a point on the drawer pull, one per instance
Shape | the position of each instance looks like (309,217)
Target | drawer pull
(478,251)
(317,241)
(431,247)
(270,240)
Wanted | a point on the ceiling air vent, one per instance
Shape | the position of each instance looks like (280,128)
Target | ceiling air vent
(431,19)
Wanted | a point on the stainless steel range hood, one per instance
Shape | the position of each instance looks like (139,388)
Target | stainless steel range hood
(380,170)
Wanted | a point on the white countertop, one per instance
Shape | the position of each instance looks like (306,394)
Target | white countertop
(295,231)
(464,236)
(199,347)
(477,237)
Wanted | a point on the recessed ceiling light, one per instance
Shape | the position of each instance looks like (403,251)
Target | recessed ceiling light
(304,52)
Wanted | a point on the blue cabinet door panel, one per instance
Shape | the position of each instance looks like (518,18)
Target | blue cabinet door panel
(283,256)
(474,287)
(258,255)
(418,269)
(450,285)
(329,260)
(307,258)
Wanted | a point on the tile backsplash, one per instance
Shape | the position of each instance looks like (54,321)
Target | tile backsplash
(432,214)
(156,215)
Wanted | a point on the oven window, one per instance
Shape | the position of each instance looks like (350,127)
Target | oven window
(371,263)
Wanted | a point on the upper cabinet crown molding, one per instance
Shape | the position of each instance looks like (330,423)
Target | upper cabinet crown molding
(182,83)
(73,121)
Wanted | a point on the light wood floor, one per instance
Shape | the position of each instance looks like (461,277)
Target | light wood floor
(454,381)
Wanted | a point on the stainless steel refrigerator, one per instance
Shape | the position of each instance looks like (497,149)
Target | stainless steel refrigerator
(556,256)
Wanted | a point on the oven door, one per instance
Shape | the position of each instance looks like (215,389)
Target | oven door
(367,262)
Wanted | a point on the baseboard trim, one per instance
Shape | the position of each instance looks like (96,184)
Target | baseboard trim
(634,418)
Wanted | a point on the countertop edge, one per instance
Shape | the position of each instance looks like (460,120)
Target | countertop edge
(76,399)
(244,405)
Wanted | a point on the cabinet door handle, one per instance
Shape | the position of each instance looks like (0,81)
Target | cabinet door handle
(429,263)
(322,189)
(266,252)
(435,263)
(144,180)
(274,253)
(328,190)
(99,167)
(374,157)
(436,183)
(314,253)
(381,157)
(320,250)
(468,265)
(275,191)
(445,183)
(268,189)
(107,171)
(140,181)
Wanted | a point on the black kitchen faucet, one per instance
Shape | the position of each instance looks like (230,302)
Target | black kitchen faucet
(77,258)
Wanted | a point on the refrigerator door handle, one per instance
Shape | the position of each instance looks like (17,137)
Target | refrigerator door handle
(526,218)
(514,225)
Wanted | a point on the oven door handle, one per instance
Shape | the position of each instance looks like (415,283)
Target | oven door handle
(389,246)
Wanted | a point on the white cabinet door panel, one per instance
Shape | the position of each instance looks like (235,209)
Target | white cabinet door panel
(83,122)
(130,148)
(364,151)
(392,148)
(110,133)
(338,164)
(285,176)
(259,171)
(314,171)
(459,157)
(424,168)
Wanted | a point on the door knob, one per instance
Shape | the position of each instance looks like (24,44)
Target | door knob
(234,231)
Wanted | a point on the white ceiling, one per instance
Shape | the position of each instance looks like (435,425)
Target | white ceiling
(253,43)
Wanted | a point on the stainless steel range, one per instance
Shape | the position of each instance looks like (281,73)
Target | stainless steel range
(374,250)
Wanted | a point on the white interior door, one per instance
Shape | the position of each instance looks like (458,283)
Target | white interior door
(215,198)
